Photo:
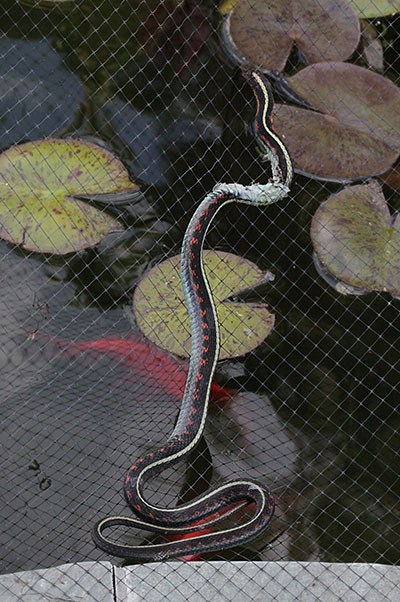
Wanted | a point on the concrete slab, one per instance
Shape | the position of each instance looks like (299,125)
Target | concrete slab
(79,582)
(258,581)
(205,582)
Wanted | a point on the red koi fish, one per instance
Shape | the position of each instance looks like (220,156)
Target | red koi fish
(219,515)
(147,361)
(190,557)
(278,527)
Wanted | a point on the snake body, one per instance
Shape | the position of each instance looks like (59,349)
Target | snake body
(221,500)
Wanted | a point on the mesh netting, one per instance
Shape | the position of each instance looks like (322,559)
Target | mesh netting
(311,411)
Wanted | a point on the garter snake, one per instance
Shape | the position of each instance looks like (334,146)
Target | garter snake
(219,501)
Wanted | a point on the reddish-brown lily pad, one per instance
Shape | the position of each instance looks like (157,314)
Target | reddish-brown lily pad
(357,240)
(38,183)
(354,131)
(265,32)
(353,95)
(161,314)
(372,46)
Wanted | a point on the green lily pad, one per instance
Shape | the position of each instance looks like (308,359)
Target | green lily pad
(38,183)
(355,129)
(339,286)
(369,9)
(357,240)
(160,310)
(265,32)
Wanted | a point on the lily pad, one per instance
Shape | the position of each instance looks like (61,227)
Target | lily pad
(339,286)
(39,96)
(265,32)
(354,131)
(372,46)
(161,314)
(369,9)
(38,182)
(357,240)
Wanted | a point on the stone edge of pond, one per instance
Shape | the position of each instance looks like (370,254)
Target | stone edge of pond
(175,581)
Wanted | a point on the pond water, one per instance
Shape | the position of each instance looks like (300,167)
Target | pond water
(316,415)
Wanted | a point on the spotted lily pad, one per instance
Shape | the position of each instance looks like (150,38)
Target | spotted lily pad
(39,96)
(369,9)
(264,32)
(161,314)
(38,183)
(357,240)
(354,130)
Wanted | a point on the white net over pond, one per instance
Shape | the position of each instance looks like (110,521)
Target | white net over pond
(154,94)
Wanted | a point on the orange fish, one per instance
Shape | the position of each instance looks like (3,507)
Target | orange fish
(219,515)
(146,360)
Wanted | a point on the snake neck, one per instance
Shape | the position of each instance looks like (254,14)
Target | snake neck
(203,317)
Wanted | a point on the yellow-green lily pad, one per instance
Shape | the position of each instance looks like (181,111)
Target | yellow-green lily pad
(38,183)
(369,9)
(161,314)
(357,240)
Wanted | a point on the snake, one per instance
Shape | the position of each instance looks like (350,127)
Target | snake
(200,515)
